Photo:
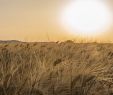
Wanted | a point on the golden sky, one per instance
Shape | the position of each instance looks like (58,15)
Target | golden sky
(35,20)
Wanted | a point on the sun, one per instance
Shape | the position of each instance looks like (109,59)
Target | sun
(86,17)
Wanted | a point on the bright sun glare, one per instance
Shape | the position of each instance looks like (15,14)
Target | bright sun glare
(86,17)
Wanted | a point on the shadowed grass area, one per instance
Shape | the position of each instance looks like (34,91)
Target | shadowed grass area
(65,68)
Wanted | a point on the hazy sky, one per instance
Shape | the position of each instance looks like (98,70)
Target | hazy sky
(34,20)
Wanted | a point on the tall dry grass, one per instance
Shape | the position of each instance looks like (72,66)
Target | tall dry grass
(65,68)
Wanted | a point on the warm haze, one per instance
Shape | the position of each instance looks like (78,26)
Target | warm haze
(39,20)
(56,47)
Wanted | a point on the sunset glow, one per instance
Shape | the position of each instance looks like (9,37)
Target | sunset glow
(56,20)
(87,18)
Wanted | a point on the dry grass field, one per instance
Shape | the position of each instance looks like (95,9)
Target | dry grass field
(53,68)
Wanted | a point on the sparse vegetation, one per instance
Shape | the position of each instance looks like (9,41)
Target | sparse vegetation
(55,68)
